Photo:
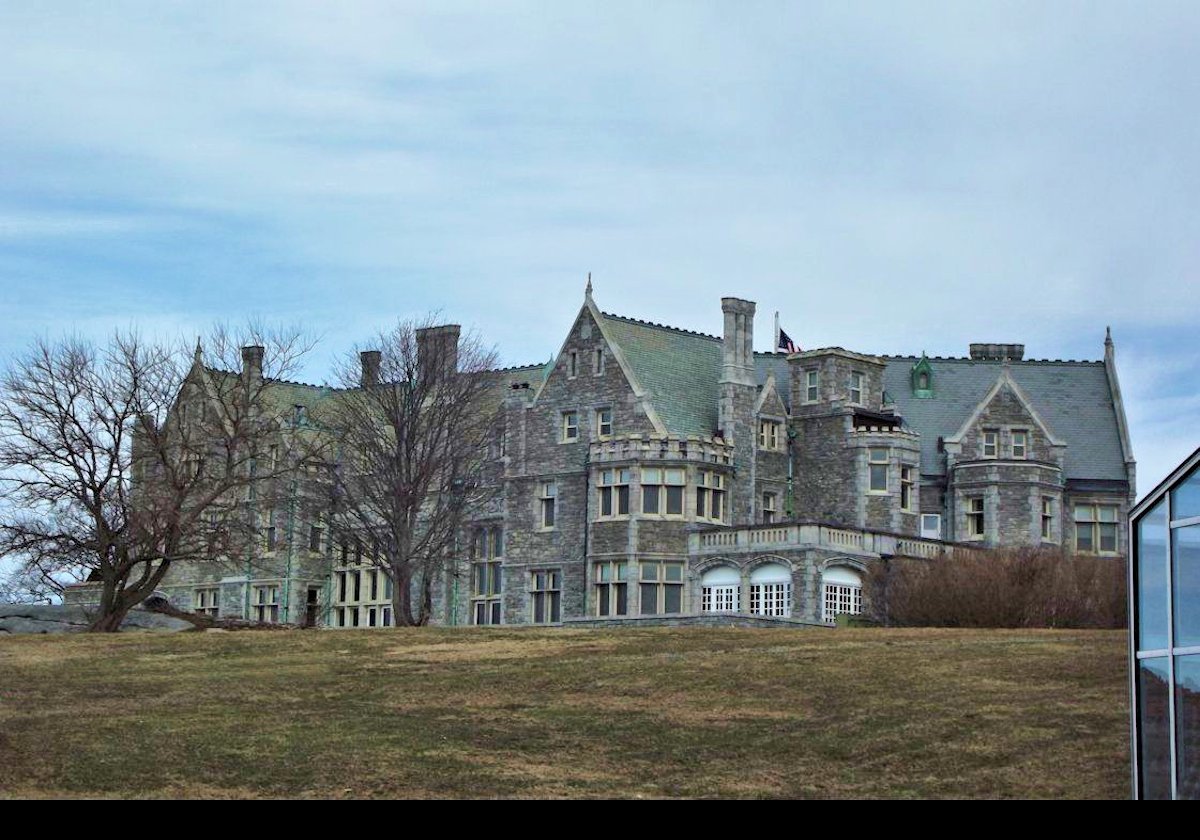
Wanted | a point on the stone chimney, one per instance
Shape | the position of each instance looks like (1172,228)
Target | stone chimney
(369,360)
(997,352)
(735,412)
(437,349)
(252,363)
(737,347)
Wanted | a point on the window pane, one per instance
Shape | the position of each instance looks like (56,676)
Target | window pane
(1186,585)
(1185,498)
(650,499)
(649,599)
(675,501)
(603,607)
(673,599)
(539,613)
(674,572)
(1187,725)
(622,600)
(554,606)
(1154,748)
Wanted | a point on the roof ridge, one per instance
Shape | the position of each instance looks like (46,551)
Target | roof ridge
(1012,362)
(666,327)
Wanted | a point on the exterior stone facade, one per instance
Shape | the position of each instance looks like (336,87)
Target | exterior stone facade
(654,474)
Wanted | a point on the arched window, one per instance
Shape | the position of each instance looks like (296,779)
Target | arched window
(771,590)
(841,593)
(720,590)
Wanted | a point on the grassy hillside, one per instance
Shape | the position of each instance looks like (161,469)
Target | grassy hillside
(633,713)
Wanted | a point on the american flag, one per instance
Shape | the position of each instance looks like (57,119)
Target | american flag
(785,342)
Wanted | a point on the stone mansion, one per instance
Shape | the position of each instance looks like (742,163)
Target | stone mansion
(650,473)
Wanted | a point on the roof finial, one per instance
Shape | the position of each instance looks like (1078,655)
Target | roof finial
(198,355)
(1108,337)
(588,291)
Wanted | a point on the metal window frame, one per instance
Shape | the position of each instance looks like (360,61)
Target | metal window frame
(1161,494)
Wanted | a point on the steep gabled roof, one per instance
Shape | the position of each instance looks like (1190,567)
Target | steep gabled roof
(1073,398)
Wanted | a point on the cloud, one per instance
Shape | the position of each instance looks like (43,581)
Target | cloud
(893,177)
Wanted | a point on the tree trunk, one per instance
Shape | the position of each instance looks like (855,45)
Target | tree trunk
(426,598)
(402,596)
(110,620)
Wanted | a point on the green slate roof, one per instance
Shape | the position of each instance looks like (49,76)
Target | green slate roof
(681,371)
(678,369)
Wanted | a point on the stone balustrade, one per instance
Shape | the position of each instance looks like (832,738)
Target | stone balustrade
(694,448)
(816,535)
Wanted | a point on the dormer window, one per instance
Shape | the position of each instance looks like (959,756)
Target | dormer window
(922,379)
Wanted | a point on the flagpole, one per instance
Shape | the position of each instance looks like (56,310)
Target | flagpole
(775,348)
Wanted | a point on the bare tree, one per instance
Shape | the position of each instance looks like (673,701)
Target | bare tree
(412,426)
(122,459)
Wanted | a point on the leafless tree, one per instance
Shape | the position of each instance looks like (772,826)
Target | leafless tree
(124,458)
(412,427)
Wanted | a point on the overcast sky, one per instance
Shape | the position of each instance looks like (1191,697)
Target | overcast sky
(893,177)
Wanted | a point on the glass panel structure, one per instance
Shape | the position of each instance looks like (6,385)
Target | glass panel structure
(1164,602)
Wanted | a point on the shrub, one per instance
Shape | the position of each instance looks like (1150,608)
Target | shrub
(1001,588)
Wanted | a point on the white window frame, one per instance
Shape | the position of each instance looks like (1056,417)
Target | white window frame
(770,502)
(658,489)
(812,385)
(1024,445)
(609,486)
(264,603)
(711,493)
(990,443)
(662,581)
(1096,527)
(1047,519)
(548,504)
(545,591)
(206,600)
(878,456)
(722,598)
(487,578)
(601,423)
(976,518)
(838,598)
(610,582)
(769,435)
(908,487)
(857,381)
(569,427)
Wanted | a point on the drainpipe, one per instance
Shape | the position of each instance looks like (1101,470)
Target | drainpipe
(291,549)
(587,520)
(790,504)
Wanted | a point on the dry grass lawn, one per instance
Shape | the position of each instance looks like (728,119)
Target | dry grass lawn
(566,713)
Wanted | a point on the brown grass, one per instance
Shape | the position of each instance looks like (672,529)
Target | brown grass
(566,713)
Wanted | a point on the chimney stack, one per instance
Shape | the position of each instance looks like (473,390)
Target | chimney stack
(370,360)
(997,352)
(252,363)
(737,348)
(437,349)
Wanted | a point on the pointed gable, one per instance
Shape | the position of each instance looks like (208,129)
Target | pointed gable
(1073,399)
(769,403)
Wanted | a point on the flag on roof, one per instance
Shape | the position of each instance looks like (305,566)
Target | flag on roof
(783,341)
